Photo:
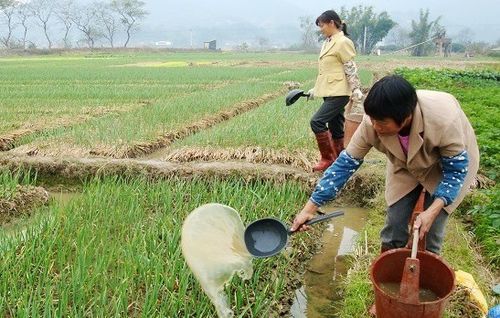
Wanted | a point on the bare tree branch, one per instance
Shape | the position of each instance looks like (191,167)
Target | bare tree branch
(24,15)
(8,10)
(42,10)
(85,19)
(309,36)
(108,19)
(64,15)
(130,12)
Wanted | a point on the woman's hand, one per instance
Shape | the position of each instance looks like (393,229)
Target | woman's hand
(305,215)
(310,94)
(424,220)
(357,95)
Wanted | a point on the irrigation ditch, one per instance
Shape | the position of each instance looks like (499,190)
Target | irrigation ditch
(22,202)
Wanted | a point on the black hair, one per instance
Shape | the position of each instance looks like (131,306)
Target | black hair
(391,97)
(331,15)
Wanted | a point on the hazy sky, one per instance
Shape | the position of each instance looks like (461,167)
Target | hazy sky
(174,17)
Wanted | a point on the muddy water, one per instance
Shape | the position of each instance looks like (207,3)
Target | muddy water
(214,248)
(327,268)
(392,289)
(63,198)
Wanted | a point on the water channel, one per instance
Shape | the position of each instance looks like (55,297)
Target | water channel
(327,268)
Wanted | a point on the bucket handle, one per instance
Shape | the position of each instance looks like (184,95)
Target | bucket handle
(419,208)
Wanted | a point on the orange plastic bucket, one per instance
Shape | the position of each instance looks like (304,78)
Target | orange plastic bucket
(435,275)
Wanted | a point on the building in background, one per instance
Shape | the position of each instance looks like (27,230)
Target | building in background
(210,45)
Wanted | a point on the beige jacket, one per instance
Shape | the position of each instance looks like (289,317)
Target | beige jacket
(439,128)
(331,80)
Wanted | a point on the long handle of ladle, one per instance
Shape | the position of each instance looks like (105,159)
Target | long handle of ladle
(414,246)
(324,217)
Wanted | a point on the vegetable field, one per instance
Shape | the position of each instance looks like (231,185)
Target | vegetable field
(103,155)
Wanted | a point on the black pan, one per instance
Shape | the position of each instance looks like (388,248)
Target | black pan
(267,237)
(294,95)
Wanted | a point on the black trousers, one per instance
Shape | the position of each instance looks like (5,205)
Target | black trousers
(330,116)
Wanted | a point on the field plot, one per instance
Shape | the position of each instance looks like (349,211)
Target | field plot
(43,94)
(272,133)
(115,251)
(140,103)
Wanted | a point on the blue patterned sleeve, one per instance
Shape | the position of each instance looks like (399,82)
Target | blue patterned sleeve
(454,172)
(334,178)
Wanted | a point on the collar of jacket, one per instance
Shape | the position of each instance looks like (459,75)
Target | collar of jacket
(415,142)
(327,45)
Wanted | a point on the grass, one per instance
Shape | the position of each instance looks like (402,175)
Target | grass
(115,251)
(271,126)
(149,122)
(43,88)
(9,182)
(172,97)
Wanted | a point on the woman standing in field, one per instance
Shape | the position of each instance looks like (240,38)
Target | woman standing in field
(337,82)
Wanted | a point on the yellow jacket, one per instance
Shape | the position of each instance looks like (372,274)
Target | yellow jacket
(331,79)
(439,128)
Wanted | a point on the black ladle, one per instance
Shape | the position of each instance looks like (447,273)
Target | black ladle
(267,237)
(294,95)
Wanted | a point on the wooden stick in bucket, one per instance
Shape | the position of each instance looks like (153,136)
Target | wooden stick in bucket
(410,282)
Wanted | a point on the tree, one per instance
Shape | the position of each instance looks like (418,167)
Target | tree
(465,36)
(365,27)
(399,36)
(109,21)
(65,15)
(478,47)
(24,14)
(130,12)
(85,19)
(42,10)
(243,47)
(309,36)
(8,10)
(263,42)
(422,33)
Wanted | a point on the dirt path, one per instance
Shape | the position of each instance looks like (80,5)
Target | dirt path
(83,168)
(295,159)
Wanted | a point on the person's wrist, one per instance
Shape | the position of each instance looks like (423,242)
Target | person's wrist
(433,212)
(308,212)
